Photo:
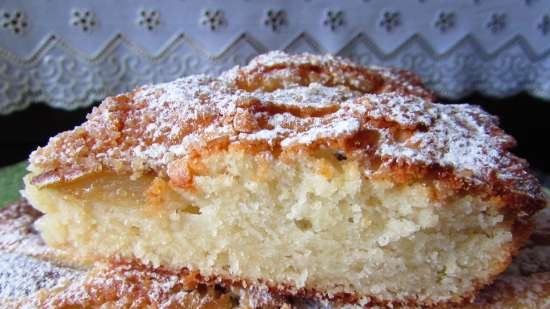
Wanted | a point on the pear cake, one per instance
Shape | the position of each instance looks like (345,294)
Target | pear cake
(305,175)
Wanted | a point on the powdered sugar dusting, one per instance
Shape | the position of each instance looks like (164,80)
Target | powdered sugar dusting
(277,57)
(146,130)
(21,275)
(122,285)
(313,96)
(407,111)
(342,128)
(24,258)
(17,234)
(461,137)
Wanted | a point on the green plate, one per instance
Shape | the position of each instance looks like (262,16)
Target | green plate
(11,181)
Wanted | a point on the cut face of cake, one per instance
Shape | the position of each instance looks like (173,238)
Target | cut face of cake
(36,279)
(316,189)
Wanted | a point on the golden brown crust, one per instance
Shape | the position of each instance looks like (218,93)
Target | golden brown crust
(164,129)
(137,286)
(133,285)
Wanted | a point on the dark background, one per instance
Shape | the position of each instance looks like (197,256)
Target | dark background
(525,117)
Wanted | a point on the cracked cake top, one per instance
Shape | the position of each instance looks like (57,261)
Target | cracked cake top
(284,104)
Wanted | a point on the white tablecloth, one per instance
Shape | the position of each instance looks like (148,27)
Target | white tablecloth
(72,53)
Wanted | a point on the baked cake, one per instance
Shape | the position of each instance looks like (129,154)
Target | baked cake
(305,175)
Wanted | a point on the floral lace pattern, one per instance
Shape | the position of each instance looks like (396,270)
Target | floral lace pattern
(77,54)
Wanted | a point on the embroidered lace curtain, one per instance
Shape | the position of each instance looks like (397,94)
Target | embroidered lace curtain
(71,53)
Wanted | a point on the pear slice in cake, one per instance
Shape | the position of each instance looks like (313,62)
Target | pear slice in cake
(312,189)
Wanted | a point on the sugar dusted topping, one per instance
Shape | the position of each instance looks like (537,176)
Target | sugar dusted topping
(126,285)
(335,104)
(275,58)
(21,275)
(277,69)
(315,96)
(24,259)
(17,234)
(459,136)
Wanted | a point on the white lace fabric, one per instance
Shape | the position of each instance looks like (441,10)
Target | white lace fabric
(71,54)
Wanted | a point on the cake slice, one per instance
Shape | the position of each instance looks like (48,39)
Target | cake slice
(317,189)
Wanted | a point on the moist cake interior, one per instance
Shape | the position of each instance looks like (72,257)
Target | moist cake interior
(307,222)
